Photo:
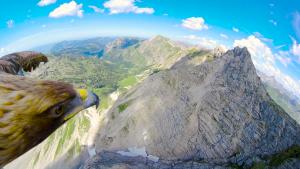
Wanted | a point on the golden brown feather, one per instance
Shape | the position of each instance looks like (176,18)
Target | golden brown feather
(27,60)
(30,110)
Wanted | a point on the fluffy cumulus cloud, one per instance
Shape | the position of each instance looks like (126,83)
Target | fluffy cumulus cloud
(126,6)
(67,9)
(203,42)
(46,2)
(10,23)
(194,23)
(264,61)
(260,52)
(96,9)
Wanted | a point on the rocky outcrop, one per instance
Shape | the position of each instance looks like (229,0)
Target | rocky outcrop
(216,112)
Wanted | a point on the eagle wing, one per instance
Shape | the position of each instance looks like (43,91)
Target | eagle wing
(15,62)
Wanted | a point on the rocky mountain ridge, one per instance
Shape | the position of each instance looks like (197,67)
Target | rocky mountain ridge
(216,112)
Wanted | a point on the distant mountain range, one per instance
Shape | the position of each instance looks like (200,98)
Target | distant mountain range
(166,105)
(94,47)
(286,99)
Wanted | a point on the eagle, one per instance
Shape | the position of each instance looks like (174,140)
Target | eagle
(32,109)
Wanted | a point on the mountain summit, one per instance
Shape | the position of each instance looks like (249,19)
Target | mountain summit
(216,112)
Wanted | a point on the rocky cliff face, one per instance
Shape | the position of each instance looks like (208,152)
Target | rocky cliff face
(216,111)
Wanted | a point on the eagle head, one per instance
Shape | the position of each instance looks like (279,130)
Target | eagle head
(30,110)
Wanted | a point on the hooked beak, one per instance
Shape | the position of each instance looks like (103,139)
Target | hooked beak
(89,98)
(85,99)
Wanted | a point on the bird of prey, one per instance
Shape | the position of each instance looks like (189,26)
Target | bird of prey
(31,109)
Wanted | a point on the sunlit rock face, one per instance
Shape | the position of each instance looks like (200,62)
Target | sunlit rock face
(217,111)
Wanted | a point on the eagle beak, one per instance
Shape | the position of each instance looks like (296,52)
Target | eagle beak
(88,98)
(85,99)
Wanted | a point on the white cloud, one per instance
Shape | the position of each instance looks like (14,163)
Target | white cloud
(46,2)
(67,9)
(2,50)
(224,36)
(96,9)
(201,41)
(126,6)
(262,38)
(260,52)
(273,22)
(283,57)
(235,29)
(295,50)
(284,60)
(10,23)
(264,60)
(194,23)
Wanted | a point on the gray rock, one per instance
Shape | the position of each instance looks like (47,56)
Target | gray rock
(110,160)
(216,112)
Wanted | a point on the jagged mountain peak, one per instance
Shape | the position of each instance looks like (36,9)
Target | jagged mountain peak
(237,51)
(216,112)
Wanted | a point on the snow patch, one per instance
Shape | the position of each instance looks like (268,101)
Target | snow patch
(135,152)
(145,134)
(153,158)
(92,151)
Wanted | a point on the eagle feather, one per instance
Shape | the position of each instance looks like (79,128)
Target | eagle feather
(30,109)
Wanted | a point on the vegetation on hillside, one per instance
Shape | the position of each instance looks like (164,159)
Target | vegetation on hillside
(292,107)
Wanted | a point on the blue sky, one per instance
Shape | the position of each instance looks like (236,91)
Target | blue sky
(270,29)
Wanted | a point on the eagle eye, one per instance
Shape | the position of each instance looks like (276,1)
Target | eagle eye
(59,110)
